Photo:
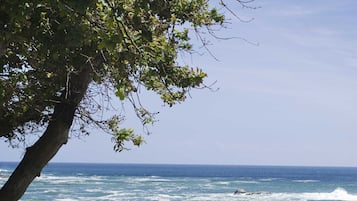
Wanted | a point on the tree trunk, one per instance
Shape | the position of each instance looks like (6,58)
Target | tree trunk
(38,155)
(46,147)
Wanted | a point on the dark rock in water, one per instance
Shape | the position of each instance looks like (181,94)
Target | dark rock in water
(240,191)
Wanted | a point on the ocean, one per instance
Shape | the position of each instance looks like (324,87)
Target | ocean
(72,182)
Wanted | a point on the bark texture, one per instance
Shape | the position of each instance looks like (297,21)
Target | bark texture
(56,135)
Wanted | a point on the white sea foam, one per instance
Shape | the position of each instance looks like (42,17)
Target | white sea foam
(4,170)
(165,197)
(60,180)
(269,179)
(51,191)
(223,183)
(4,174)
(246,182)
(93,190)
(160,188)
(306,181)
(338,194)
(149,179)
(69,179)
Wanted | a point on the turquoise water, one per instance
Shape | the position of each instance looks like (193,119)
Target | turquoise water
(69,182)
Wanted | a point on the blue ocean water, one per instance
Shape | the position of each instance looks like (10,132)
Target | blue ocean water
(70,182)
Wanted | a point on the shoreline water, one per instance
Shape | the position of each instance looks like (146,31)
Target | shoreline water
(83,181)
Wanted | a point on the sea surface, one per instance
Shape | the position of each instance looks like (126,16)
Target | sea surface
(70,182)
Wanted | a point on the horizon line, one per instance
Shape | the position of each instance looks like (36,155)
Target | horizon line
(193,164)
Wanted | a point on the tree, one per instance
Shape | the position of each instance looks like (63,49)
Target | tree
(55,55)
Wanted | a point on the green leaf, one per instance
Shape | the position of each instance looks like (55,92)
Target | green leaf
(120,93)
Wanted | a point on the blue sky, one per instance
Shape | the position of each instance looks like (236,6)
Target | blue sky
(292,100)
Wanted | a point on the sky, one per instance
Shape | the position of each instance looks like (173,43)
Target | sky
(290,100)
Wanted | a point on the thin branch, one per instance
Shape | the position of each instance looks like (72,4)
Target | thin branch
(210,87)
(89,60)
(212,33)
(204,44)
(4,75)
(244,4)
(100,124)
(234,14)
(68,75)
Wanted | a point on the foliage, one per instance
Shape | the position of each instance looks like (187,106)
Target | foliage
(128,43)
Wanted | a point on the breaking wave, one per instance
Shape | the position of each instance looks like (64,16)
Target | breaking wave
(339,194)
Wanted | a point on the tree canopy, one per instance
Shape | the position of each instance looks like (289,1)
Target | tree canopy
(127,44)
(55,55)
